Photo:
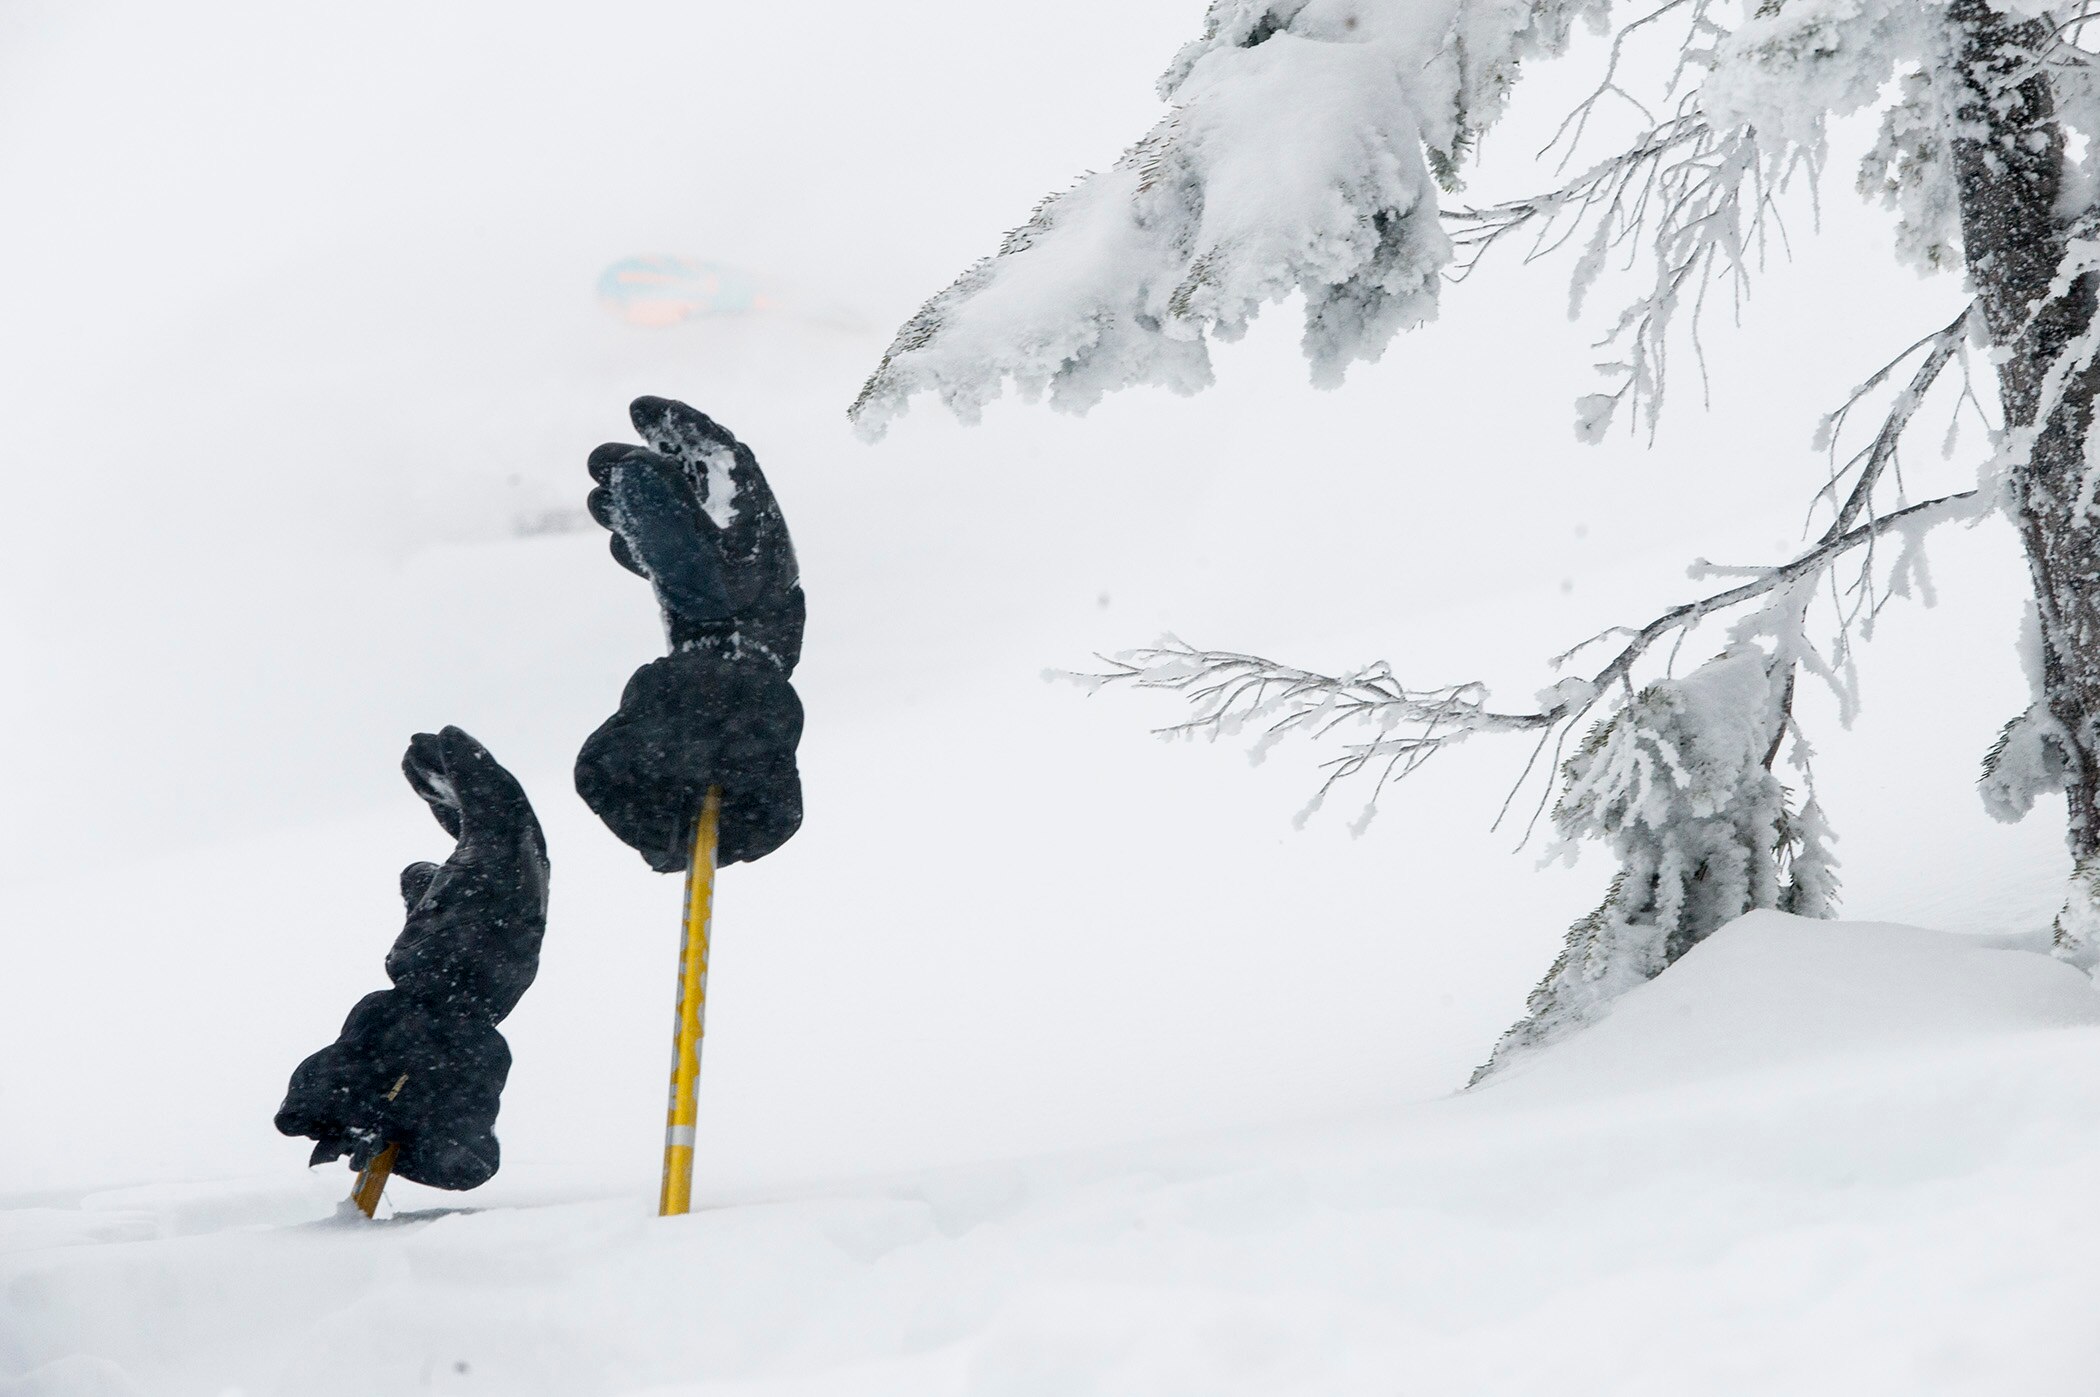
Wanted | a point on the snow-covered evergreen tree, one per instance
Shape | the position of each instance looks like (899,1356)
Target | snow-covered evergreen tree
(1312,148)
(1678,782)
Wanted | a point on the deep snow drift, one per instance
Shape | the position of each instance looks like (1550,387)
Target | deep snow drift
(1813,1158)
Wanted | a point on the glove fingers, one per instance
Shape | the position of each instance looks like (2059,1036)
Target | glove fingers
(674,428)
(624,558)
(468,791)
(753,489)
(623,489)
(697,442)
(671,538)
(415,881)
(604,459)
(425,766)
(600,505)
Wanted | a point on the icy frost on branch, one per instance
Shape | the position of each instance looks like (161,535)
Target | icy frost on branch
(1690,202)
(1296,160)
(1232,693)
(1390,729)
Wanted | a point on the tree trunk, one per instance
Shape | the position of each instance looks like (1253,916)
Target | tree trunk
(2008,155)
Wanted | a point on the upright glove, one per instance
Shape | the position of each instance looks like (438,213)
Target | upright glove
(693,514)
(421,1066)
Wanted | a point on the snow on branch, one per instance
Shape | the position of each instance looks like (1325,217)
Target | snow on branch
(1232,693)
(1859,602)
(1693,201)
(2067,37)
(1289,167)
(1873,460)
(1302,157)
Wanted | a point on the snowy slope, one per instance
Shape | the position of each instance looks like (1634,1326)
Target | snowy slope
(1813,1159)
(303,363)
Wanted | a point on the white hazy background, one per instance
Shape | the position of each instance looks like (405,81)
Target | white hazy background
(300,333)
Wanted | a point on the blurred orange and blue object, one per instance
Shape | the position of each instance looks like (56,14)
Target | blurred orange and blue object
(664,290)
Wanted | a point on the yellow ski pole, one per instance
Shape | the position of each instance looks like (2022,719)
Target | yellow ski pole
(692,1012)
(371,1180)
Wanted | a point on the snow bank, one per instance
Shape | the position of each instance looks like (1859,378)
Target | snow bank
(1771,990)
(1810,1158)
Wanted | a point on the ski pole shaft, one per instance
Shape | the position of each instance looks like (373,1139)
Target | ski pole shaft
(371,1181)
(683,1116)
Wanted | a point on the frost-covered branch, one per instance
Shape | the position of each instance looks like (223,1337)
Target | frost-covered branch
(1692,200)
(2066,39)
(1232,693)
(1873,460)
(1859,603)
(1302,157)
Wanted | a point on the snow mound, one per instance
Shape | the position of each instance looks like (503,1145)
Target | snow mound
(1770,989)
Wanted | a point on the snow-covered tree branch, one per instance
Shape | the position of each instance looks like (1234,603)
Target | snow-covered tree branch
(1692,202)
(1296,160)
(1312,149)
(1234,694)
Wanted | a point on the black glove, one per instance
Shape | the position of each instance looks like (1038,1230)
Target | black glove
(691,720)
(421,1066)
(694,515)
(400,1074)
(472,941)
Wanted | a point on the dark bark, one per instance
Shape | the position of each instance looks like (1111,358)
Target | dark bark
(2009,170)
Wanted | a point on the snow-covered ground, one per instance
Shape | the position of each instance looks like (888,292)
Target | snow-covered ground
(1812,1159)
(1047,1059)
